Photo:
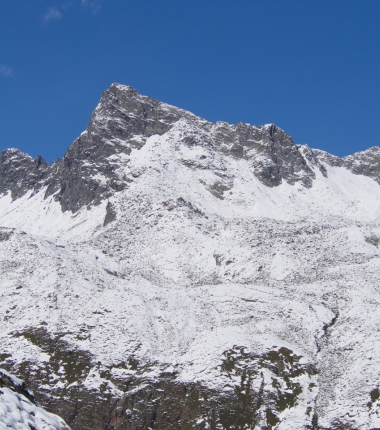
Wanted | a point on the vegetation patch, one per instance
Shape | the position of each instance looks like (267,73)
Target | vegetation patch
(217,189)
(73,363)
(285,368)
(375,395)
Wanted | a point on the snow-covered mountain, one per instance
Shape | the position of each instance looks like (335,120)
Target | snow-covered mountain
(173,273)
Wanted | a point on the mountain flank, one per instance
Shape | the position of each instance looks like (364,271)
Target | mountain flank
(173,273)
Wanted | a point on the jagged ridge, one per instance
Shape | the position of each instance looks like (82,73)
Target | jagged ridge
(124,119)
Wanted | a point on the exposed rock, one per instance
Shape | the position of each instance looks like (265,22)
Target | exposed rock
(250,400)
(122,121)
(110,214)
(5,234)
(19,173)
(365,163)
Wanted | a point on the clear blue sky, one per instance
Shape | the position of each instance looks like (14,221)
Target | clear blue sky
(310,66)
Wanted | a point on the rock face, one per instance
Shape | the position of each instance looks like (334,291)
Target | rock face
(365,163)
(19,173)
(177,273)
(123,120)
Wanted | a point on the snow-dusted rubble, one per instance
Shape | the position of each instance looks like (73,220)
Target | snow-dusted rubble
(206,270)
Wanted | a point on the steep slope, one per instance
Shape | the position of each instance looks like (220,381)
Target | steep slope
(175,273)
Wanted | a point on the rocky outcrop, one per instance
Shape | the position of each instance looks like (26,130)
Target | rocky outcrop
(20,173)
(274,156)
(167,403)
(365,163)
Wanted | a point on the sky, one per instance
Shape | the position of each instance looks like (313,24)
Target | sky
(312,67)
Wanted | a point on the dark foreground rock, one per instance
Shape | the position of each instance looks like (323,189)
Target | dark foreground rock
(19,409)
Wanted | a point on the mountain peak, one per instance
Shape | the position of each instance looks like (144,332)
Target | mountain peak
(120,87)
(14,153)
(97,163)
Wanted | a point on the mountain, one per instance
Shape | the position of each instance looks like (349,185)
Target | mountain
(170,272)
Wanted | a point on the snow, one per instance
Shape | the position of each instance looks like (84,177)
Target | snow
(19,413)
(257,267)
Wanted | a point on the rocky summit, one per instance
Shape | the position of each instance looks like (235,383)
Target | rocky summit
(173,273)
